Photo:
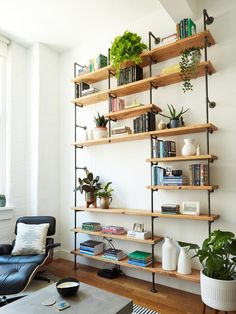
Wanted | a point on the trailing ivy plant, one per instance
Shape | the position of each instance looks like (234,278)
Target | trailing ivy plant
(190,59)
(127,47)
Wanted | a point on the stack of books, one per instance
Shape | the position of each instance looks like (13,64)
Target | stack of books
(185,28)
(142,235)
(140,258)
(113,230)
(122,130)
(170,209)
(91,247)
(174,180)
(164,149)
(114,254)
(198,174)
(130,74)
(158,174)
(89,91)
(116,104)
(91,226)
(145,123)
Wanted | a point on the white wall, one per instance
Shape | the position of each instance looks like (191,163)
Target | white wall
(124,163)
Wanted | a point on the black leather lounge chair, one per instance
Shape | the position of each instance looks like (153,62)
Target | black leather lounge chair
(16,271)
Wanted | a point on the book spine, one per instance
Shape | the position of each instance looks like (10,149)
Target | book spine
(178,30)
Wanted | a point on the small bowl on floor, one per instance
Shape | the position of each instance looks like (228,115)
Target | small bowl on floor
(67,287)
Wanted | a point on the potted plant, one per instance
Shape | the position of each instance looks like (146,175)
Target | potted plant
(218,276)
(100,131)
(127,47)
(190,59)
(90,185)
(176,119)
(105,195)
(2,200)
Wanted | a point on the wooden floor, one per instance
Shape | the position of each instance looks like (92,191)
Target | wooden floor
(166,301)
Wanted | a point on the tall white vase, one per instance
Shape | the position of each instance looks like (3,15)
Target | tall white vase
(189,148)
(169,254)
(184,262)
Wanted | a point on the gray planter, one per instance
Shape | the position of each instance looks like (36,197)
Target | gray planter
(2,203)
(174,123)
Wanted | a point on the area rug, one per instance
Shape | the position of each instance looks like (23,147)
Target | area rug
(137,309)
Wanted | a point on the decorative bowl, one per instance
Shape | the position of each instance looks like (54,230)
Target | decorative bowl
(177,173)
(68,287)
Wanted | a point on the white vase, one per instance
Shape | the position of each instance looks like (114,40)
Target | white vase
(169,254)
(218,294)
(189,148)
(184,262)
(100,132)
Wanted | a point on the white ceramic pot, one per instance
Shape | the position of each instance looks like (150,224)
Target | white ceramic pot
(184,262)
(218,294)
(189,148)
(99,132)
(161,125)
(169,254)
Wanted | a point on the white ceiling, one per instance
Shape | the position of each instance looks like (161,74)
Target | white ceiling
(62,24)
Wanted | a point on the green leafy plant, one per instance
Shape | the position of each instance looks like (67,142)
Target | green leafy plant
(190,59)
(173,113)
(217,255)
(89,183)
(105,191)
(100,121)
(2,197)
(127,47)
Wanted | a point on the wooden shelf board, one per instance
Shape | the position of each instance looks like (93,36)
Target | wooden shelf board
(142,85)
(93,77)
(190,129)
(194,277)
(119,237)
(182,158)
(132,112)
(140,212)
(183,187)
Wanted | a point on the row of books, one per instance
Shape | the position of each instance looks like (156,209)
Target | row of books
(145,123)
(198,174)
(185,28)
(164,149)
(116,104)
(174,180)
(129,75)
(122,130)
(140,258)
(94,64)
(170,209)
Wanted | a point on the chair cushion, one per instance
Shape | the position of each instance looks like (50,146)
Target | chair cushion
(30,239)
(18,259)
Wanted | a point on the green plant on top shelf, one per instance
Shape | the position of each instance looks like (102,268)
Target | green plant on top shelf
(100,121)
(190,58)
(127,47)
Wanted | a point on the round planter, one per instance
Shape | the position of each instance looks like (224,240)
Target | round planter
(105,202)
(189,149)
(2,202)
(174,123)
(218,294)
(100,132)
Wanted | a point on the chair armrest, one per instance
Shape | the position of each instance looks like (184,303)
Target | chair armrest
(52,245)
(5,249)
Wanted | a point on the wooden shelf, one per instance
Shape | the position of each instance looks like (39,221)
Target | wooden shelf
(119,237)
(139,212)
(190,129)
(142,85)
(132,112)
(183,187)
(194,277)
(182,158)
(159,54)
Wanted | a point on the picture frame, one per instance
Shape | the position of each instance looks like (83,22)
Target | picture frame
(190,208)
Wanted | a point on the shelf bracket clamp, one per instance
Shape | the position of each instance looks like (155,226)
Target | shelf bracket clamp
(157,40)
(79,146)
(82,168)
(113,119)
(79,105)
(82,127)
(211,104)
(207,19)
(153,86)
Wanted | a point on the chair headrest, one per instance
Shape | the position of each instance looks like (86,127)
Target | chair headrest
(36,220)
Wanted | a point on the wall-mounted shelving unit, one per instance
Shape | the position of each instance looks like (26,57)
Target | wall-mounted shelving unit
(204,40)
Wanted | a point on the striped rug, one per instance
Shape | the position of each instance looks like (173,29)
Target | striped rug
(137,309)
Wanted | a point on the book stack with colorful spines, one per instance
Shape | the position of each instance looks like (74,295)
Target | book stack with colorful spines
(114,254)
(198,174)
(91,247)
(91,226)
(140,258)
(145,123)
(113,230)
(116,104)
(164,149)
(185,28)
(174,180)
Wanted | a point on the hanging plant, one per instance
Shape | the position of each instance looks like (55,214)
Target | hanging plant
(190,59)
(127,47)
